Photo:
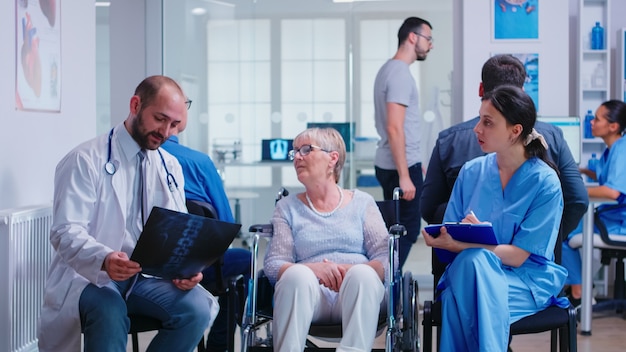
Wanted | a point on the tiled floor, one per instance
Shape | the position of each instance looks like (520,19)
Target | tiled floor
(609,329)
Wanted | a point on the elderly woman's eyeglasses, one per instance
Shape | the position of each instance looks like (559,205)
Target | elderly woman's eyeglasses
(304,150)
(188,102)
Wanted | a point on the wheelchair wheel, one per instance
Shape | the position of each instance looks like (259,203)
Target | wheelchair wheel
(410,312)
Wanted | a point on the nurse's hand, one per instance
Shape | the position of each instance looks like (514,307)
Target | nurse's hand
(471,218)
(443,240)
(188,284)
(119,267)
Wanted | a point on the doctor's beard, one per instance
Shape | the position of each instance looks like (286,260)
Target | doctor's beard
(142,136)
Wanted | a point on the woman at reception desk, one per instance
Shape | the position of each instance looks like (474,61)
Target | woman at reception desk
(609,124)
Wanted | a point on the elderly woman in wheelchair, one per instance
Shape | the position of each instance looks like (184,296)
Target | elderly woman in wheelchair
(328,257)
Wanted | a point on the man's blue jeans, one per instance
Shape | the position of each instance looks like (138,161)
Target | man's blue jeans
(185,315)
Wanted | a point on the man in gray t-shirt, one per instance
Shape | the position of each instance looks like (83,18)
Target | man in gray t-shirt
(396,108)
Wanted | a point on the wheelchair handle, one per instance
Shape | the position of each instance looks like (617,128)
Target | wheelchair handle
(282,192)
(261,228)
(397,230)
(397,193)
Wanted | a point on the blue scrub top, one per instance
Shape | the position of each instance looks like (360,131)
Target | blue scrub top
(611,172)
(526,213)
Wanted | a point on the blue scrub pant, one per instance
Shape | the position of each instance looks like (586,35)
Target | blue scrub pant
(236,262)
(410,215)
(185,315)
(480,299)
(570,258)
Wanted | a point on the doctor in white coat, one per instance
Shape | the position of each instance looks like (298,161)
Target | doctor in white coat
(92,285)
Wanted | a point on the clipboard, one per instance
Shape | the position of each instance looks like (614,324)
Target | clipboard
(175,245)
(464,232)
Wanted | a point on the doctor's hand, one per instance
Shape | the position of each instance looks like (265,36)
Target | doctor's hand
(188,284)
(119,267)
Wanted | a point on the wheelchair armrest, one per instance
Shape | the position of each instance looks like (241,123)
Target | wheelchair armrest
(604,234)
(261,228)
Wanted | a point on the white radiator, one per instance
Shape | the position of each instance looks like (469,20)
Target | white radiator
(25,254)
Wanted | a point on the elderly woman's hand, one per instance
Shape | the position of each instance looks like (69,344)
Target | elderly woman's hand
(329,274)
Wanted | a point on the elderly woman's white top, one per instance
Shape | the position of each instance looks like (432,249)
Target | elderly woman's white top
(354,234)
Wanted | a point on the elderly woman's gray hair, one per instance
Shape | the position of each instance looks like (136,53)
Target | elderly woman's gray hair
(329,139)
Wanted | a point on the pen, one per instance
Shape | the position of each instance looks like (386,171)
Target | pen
(471,212)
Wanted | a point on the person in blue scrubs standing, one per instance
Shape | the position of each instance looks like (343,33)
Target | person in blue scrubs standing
(515,188)
(609,124)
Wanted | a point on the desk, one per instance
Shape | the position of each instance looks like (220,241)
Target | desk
(586,309)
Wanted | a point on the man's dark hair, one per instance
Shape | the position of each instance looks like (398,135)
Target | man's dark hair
(503,70)
(411,25)
(149,88)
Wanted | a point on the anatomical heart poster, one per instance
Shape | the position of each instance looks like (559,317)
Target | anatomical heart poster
(38,55)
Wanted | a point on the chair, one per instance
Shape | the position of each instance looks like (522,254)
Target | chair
(232,286)
(561,322)
(399,321)
(611,246)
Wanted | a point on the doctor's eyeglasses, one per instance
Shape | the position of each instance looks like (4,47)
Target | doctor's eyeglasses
(188,103)
(304,150)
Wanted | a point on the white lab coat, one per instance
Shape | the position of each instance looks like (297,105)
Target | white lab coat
(89,214)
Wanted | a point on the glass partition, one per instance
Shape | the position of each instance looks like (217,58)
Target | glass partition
(264,69)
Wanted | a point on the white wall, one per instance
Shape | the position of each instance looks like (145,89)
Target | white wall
(33,142)
(472,44)
(129,41)
(552,47)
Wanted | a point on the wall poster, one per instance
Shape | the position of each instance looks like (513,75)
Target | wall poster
(515,19)
(531,64)
(38,55)
(531,86)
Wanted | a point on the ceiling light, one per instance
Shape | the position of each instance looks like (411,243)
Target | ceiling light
(223,3)
(357,0)
(198,11)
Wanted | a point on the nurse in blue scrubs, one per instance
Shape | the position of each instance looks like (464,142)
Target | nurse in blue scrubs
(515,188)
(609,124)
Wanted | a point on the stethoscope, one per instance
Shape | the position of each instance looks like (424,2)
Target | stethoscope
(110,168)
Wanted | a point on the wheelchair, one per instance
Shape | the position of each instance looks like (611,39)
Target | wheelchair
(399,320)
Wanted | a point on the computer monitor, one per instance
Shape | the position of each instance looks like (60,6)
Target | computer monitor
(570,125)
(344,128)
(276,149)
